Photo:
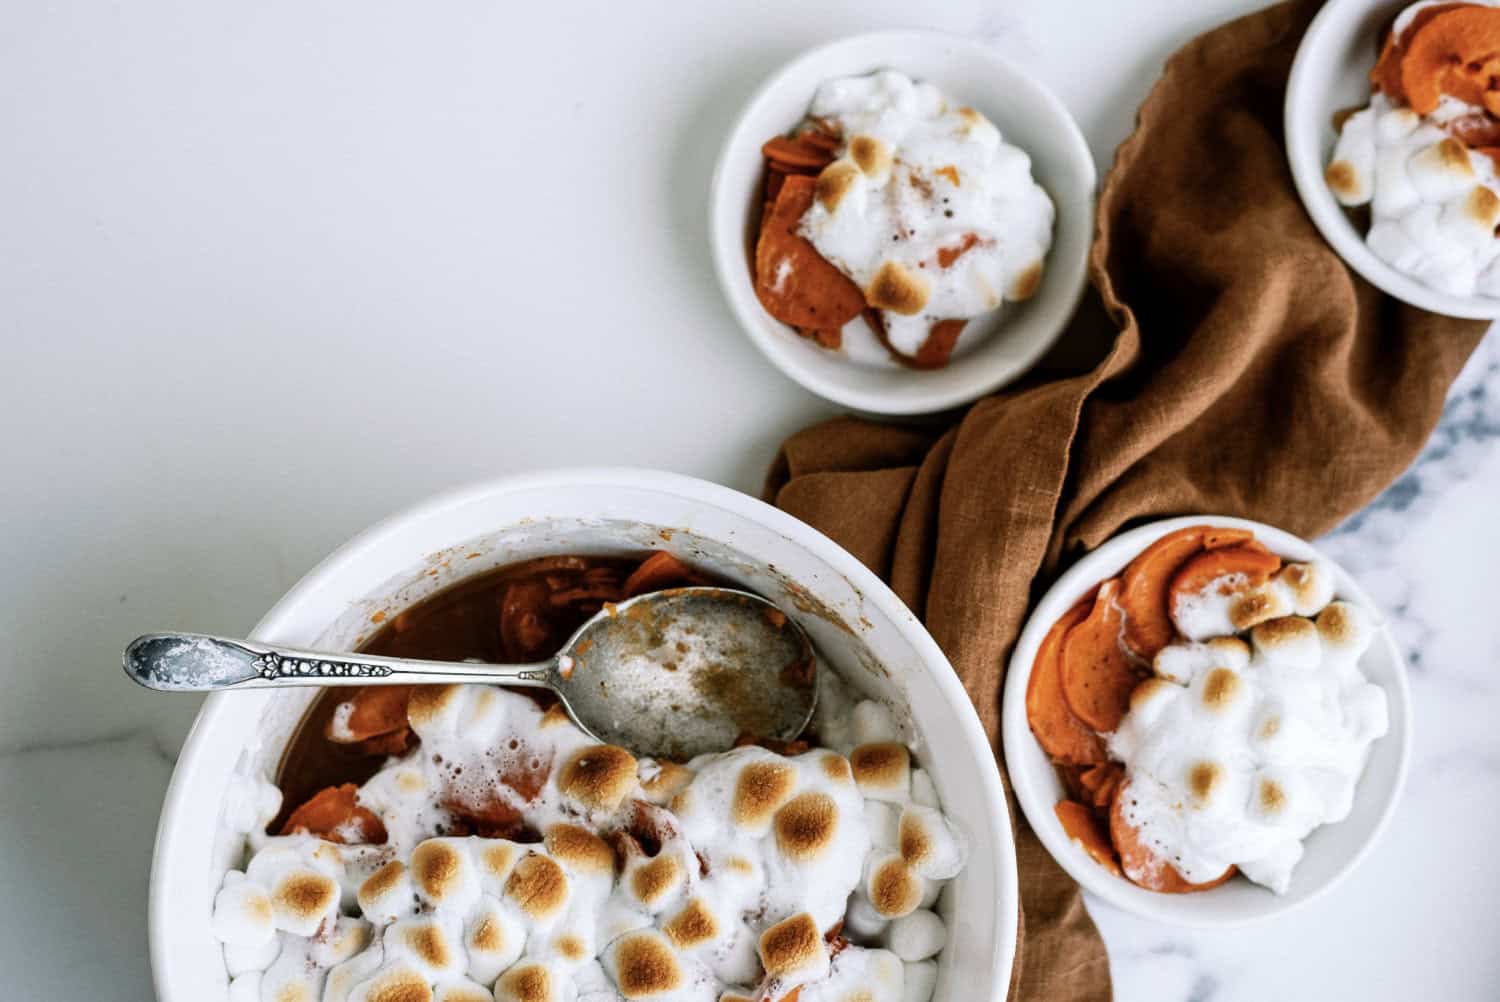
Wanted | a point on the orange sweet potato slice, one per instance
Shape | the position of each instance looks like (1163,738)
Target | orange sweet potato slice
(794,282)
(1062,735)
(1100,782)
(1143,590)
(1083,827)
(1386,74)
(937,348)
(797,152)
(1456,52)
(1097,675)
(658,571)
(332,814)
(1250,559)
(1140,864)
(378,710)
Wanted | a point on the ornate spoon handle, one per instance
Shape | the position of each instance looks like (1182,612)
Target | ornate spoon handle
(193,662)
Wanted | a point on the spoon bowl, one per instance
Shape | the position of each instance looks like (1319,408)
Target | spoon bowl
(669,674)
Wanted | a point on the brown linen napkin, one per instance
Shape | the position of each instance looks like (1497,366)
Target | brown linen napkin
(1253,374)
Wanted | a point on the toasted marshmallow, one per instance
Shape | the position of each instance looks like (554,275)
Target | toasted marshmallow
(643,965)
(1183,662)
(579,850)
(793,950)
(496,860)
(431,944)
(444,874)
(806,826)
(1434,203)
(1240,765)
(387,894)
(493,939)
(349,936)
(1290,640)
(894,889)
(862,974)
(539,888)
(393,982)
(760,791)
(242,915)
(916,936)
(929,844)
(882,771)
(1345,630)
(654,881)
(915,177)
(661,781)
(598,777)
(301,899)
(694,925)
(529,982)
(461,990)
(1308,586)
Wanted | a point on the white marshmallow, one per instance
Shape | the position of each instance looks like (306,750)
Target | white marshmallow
(923,790)
(916,936)
(921,980)
(929,844)
(872,723)
(244,959)
(245,988)
(1434,203)
(493,939)
(862,919)
(883,820)
(242,914)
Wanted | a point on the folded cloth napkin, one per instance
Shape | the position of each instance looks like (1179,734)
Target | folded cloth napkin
(1253,374)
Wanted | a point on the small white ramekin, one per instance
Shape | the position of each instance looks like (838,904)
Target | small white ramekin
(1332,851)
(1028,116)
(1331,72)
(859,625)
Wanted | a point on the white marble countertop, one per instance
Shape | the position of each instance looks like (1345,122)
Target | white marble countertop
(270,271)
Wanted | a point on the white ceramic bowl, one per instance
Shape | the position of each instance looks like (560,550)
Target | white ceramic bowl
(1027,114)
(859,625)
(1332,851)
(1330,73)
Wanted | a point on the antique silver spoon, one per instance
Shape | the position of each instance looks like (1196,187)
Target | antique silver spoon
(672,674)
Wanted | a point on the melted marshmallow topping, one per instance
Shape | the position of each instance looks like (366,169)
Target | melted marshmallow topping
(1235,752)
(926,209)
(728,876)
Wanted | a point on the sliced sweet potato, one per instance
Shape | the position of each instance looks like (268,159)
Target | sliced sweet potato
(1100,782)
(1062,735)
(1386,74)
(1217,537)
(1082,826)
(793,281)
(378,710)
(1140,864)
(797,152)
(333,814)
(1250,559)
(1457,52)
(1143,590)
(658,571)
(938,346)
(1097,674)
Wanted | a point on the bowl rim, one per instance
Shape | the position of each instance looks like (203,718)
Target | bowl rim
(218,706)
(1016,737)
(1305,158)
(736,287)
